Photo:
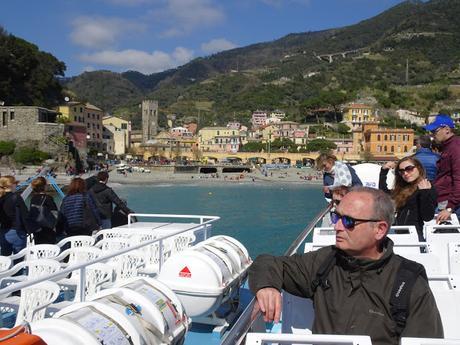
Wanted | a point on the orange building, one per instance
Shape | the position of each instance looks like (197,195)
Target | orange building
(383,142)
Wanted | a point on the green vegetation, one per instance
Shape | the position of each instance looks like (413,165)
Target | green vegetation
(321,145)
(29,155)
(28,76)
(7,148)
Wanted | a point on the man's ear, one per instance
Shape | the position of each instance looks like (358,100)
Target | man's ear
(382,230)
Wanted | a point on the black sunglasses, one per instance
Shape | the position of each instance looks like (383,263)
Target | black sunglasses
(347,221)
(408,169)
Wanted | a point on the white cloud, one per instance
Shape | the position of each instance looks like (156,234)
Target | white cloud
(101,32)
(217,45)
(141,61)
(89,69)
(188,15)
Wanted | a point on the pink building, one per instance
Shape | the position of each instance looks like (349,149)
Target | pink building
(259,118)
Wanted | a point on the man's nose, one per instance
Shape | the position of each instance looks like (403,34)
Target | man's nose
(339,225)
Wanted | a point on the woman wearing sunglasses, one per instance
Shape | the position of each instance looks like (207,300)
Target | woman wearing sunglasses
(413,194)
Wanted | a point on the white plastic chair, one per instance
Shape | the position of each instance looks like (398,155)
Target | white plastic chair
(151,253)
(38,251)
(126,265)
(33,268)
(5,263)
(32,303)
(112,233)
(182,242)
(113,244)
(77,241)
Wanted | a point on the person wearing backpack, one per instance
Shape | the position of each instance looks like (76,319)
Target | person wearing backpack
(105,197)
(358,286)
(42,209)
(13,211)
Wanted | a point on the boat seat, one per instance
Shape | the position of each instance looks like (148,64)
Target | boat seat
(445,300)
(428,341)
(303,339)
(454,258)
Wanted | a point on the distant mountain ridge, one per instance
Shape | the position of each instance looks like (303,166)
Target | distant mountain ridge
(285,72)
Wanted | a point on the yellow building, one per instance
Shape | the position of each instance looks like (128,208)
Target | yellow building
(219,139)
(355,114)
(383,142)
(88,114)
(116,135)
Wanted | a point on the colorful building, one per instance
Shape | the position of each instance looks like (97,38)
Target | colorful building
(383,142)
(355,114)
(219,139)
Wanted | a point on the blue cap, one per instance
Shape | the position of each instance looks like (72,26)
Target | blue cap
(441,120)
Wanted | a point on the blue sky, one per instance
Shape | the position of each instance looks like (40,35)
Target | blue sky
(154,35)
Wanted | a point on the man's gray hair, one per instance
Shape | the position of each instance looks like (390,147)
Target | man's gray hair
(383,205)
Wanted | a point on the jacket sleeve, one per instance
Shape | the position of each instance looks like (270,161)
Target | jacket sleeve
(423,320)
(454,196)
(427,203)
(383,180)
(290,273)
(117,201)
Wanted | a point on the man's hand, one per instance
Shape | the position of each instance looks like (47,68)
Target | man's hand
(269,303)
(424,184)
(389,165)
(443,216)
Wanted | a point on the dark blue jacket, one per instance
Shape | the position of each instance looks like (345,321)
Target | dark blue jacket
(428,159)
(72,209)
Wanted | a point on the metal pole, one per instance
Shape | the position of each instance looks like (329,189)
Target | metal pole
(82,284)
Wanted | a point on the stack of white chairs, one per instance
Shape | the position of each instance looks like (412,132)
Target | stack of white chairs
(32,269)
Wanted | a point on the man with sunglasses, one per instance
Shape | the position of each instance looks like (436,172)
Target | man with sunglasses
(354,298)
(447,181)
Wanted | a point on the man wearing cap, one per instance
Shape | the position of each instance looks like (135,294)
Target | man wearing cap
(447,182)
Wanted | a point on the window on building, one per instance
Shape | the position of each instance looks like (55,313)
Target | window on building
(97,127)
(385,148)
(4,119)
(124,126)
(94,116)
(392,148)
(44,116)
(81,109)
(378,137)
(405,148)
(11,115)
(218,133)
(97,116)
(88,125)
(385,138)
(98,136)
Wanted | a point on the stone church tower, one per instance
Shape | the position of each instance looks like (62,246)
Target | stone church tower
(149,120)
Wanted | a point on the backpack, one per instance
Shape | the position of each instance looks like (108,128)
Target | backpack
(407,274)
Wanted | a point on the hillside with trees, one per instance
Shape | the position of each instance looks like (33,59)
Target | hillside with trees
(405,57)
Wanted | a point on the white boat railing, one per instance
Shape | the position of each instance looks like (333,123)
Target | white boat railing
(244,323)
(205,223)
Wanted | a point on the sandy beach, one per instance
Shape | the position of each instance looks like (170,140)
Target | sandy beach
(290,175)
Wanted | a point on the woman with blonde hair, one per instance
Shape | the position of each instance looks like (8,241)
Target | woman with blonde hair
(413,194)
(45,234)
(13,212)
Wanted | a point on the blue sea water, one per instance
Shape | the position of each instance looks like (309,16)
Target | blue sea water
(266,218)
